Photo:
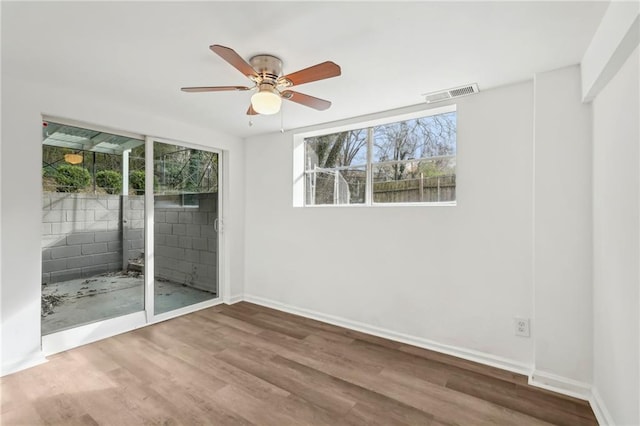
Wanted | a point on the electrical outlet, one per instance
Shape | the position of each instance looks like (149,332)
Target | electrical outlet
(522,326)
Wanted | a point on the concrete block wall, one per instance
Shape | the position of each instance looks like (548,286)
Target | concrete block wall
(133,227)
(82,234)
(186,243)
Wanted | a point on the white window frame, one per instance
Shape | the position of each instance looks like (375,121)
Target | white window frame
(299,196)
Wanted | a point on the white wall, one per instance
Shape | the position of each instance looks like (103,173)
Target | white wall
(562,223)
(23,102)
(616,37)
(616,189)
(449,275)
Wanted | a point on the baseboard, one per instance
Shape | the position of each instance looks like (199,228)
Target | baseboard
(600,409)
(234,299)
(28,362)
(468,354)
(560,384)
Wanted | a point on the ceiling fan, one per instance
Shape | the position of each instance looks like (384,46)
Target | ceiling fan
(265,73)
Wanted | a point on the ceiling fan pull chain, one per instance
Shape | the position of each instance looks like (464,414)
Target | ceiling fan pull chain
(281,120)
(250,121)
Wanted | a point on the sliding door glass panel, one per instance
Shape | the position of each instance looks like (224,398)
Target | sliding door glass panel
(185,226)
(92,226)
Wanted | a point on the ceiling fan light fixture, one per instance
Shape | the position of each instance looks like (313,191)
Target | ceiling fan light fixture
(267,100)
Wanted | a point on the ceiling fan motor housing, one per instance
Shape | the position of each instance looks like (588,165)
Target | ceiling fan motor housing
(268,67)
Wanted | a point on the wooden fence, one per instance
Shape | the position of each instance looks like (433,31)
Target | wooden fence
(426,189)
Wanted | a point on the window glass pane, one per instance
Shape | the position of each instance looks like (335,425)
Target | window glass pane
(336,186)
(92,226)
(185,232)
(417,138)
(336,150)
(432,180)
(411,161)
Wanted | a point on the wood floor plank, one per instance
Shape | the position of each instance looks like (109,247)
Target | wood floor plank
(254,410)
(373,402)
(432,399)
(246,364)
(464,364)
(329,328)
(505,394)
(290,330)
(284,379)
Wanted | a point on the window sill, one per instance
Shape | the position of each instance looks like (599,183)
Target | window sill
(383,205)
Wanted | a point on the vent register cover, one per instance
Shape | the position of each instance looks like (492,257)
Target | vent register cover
(456,92)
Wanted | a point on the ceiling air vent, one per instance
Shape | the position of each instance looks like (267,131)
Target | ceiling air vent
(456,92)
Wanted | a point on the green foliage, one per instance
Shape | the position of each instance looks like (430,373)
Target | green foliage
(72,178)
(110,181)
(49,172)
(136,178)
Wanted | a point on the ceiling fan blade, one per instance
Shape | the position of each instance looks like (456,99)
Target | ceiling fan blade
(214,88)
(306,100)
(252,111)
(317,72)
(234,59)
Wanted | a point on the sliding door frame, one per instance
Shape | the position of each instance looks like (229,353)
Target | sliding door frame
(87,333)
(149,265)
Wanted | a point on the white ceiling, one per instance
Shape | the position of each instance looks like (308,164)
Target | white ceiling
(390,53)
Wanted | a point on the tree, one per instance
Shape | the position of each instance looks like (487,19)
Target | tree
(424,137)
(185,169)
(337,150)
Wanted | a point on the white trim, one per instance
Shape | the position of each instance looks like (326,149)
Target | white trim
(560,384)
(234,299)
(534,281)
(383,205)
(600,409)
(190,145)
(89,333)
(92,126)
(23,363)
(149,229)
(468,354)
(224,259)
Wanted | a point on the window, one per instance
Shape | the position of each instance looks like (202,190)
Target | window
(404,160)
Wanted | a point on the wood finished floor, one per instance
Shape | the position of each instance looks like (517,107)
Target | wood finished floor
(248,365)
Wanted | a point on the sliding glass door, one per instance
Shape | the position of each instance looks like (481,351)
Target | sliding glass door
(130,232)
(185,232)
